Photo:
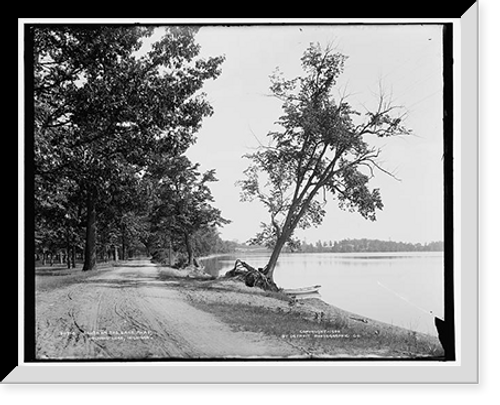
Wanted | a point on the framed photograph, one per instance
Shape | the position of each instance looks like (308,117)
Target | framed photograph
(248,200)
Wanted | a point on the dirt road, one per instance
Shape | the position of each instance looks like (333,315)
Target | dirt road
(131,312)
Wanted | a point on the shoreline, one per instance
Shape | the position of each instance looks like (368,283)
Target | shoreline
(206,317)
(316,328)
(214,256)
(392,316)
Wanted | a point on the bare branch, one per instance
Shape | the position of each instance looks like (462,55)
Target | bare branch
(377,165)
(370,167)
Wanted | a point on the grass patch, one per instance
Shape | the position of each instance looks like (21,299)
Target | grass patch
(323,337)
(49,281)
(277,323)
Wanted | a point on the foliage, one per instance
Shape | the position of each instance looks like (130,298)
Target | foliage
(369,245)
(321,148)
(183,201)
(103,114)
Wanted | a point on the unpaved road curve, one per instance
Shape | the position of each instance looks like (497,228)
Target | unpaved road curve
(130,313)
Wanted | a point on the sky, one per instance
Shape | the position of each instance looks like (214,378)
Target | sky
(405,61)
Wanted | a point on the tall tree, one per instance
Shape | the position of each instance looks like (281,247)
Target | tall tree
(101,110)
(322,146)
(184,202)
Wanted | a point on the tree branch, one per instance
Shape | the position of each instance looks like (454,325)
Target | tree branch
(374,163)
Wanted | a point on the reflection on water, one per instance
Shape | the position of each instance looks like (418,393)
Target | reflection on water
(397,288)
(218,266)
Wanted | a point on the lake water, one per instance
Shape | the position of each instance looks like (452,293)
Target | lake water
(397,288)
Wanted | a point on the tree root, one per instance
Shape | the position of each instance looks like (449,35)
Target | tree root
(251,276)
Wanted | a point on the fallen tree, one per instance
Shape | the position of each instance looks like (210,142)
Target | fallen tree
(251,276)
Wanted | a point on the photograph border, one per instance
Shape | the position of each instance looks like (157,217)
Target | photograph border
(184,372)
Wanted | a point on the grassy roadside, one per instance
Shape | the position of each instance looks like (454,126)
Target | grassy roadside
(312,327)
(317,329)
(48,278)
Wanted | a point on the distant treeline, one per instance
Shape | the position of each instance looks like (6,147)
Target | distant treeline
(368,245)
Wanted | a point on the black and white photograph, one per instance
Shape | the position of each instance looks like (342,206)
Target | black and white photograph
(239,192)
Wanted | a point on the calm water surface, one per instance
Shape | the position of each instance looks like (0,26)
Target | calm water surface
(397,288)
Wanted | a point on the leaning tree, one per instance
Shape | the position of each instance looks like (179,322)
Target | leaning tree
(322,147)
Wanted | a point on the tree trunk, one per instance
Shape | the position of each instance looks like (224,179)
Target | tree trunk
(170,262)
(271,265)
(189,249)
(68,254)
(290,225)
(90,237)
(124,243)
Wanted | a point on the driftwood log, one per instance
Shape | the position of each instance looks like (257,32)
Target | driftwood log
(251,276)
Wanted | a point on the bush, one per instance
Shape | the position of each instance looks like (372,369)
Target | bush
(160,256)
(180,261)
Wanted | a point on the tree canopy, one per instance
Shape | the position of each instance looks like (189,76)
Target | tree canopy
(103,113)
(183,200)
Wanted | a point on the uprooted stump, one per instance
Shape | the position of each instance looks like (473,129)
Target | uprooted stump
(251,276)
